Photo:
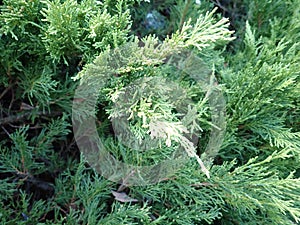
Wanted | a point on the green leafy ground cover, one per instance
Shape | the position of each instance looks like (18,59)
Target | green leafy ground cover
(49,48)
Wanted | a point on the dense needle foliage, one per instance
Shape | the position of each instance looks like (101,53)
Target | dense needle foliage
(241,166)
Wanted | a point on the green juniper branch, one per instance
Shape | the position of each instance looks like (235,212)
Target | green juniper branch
(253,180)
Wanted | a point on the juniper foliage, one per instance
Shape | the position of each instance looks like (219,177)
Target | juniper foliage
(48,48)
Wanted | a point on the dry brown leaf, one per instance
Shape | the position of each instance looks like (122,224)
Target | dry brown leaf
(123,197)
